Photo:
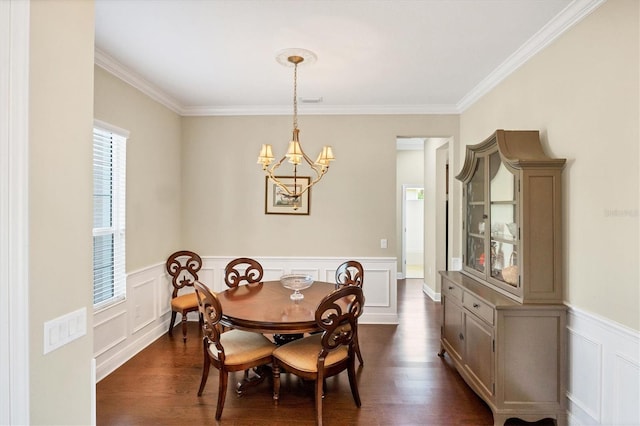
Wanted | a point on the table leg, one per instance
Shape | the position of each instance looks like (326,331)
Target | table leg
(281,339)
(253,378)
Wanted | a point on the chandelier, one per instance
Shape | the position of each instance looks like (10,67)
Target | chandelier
(295,155)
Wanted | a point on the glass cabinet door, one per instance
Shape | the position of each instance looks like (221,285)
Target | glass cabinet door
(504,228)
(476,219)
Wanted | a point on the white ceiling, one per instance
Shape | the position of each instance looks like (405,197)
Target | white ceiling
(217,57)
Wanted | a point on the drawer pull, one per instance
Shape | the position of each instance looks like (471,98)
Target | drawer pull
(475,305)
(461,336)
(450,287)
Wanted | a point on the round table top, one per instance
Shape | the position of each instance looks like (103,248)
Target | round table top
(266,307)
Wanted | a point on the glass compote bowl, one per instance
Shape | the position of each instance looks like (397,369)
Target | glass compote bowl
(296,282)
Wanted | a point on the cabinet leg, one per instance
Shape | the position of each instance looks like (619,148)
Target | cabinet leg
(498,419)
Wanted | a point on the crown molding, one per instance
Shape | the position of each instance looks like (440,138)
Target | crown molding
(321,110)
(571,15)
(109,64)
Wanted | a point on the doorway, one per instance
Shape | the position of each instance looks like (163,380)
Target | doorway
(413,231)
(410,178)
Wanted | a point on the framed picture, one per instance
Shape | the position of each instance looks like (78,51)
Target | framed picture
(277,201)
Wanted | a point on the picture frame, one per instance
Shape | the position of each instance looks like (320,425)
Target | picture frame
(276,200)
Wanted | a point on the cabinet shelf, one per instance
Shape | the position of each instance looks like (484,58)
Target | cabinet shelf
(503,239)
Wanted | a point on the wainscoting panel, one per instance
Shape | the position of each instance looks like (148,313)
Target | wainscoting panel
(110,331)
(124,329)
(144,313)
(604,371)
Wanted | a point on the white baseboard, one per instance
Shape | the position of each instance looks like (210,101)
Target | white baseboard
(430,292)
(603,385)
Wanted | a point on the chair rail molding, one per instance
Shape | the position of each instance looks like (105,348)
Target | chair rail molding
(124,329)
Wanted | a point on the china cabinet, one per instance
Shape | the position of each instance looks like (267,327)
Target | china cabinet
(503,321)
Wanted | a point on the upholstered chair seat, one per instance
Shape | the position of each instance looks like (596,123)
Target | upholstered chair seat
(241,347)
(302,354)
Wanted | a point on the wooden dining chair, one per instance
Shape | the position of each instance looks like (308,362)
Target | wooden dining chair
(242,269)
(183,267)
(351,272)
(324,355)
(233,350)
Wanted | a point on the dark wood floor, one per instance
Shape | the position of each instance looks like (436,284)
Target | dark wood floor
(403,382)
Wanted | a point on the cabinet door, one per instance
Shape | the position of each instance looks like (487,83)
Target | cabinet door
(475,220)
(452,327)
(503,214)
(479,355)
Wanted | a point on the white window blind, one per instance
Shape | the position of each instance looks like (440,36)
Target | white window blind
(109,178)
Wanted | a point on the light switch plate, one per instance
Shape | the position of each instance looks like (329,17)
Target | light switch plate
(64,329)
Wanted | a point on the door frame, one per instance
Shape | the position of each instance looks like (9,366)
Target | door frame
(14,212)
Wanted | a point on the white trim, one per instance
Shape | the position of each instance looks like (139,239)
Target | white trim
(111,128)
(14,212)
(430,292)
(612,327)
(319,110)
(603,381)
(93,392)
(112,66)
(571,15)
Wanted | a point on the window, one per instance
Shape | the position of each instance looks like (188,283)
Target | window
(109,174)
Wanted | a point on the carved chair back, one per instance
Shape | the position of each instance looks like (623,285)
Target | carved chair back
(183,266)
(242,269)
(337,315)
(211,312)
(350,272)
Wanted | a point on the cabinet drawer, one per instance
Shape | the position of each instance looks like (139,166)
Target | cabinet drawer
(478,307)
(452,291)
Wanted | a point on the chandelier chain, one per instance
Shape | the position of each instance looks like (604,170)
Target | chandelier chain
(295,96)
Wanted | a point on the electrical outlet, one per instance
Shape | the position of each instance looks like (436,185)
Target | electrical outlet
(383,243)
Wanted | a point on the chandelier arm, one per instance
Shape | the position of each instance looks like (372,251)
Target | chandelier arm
(313,182)
(318,170)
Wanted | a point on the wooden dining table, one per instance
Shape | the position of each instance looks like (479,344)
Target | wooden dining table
(266,307)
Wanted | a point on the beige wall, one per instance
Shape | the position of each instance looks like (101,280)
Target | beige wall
(60,218)
(352,208)
(154,187)
(582,94)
